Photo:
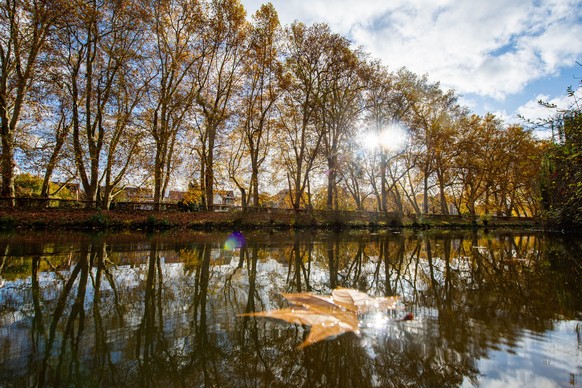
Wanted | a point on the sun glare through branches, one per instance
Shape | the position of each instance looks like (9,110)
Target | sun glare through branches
(392,138)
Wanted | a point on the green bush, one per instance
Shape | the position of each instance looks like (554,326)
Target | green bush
(6,222)
(98,220)
(152,223)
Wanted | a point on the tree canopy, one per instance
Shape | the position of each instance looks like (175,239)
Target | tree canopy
(195,93)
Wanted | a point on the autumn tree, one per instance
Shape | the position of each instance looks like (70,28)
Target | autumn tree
(97,48)
(238,165)
(174,54)
(478,162)
(216,78)
(389,99)
(339,106)
(47,151)
(515,188)
(25,26)
(353,174)
(433,131)
(57,144)
(307,64)
(261,87)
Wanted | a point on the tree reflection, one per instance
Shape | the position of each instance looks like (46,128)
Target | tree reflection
(205,354)
(250,363)
(67,339)
(340,363)
(167,312)
(300,258)
(103,365)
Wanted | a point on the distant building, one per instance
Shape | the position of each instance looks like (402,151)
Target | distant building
(176,195)
(136,194)
(224,200)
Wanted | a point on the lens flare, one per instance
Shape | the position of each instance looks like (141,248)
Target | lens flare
(235,240)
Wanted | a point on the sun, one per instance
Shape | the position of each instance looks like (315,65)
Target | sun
(392,138)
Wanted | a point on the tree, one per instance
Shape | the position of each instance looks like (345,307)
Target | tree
(340,105)
(216,79)
(61,129)
(238,164)
(47,151)
(478,162)
(433,129)
(353,175)
(174,53)
(516,186)
(262,86)
(307,64)
(389,100)
(97,49)
(562,171)
(24,29)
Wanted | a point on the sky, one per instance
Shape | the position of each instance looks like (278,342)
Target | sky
(500,56)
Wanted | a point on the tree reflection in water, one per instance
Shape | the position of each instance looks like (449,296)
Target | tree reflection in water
(136,310)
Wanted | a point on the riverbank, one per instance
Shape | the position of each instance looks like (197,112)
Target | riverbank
(85,219)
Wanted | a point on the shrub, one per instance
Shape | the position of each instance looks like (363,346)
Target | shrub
(6,222)
(98,220)
(152,223)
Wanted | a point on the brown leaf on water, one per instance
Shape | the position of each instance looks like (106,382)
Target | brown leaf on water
(360,302)
(324,323)
(328,316)
(308,300)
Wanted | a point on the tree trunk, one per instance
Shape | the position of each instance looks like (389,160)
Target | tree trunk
(383,184)
(255,184)
(297,192)
(397,200)
(442,195)
(44,191)
(331,174)
(7,167)
(209,172)
(425,194)
(158,172)
(243,197)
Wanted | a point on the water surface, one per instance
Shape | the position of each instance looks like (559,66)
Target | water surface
(156,310)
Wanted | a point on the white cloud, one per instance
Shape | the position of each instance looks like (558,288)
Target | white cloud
(535,112)
(489,48)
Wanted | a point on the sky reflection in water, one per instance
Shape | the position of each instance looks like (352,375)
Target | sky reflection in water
(164,309)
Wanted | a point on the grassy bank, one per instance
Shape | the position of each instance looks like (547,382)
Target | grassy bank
(159,220)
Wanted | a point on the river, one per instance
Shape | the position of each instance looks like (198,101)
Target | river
(163,310)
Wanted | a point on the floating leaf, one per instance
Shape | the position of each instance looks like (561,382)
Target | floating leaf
(309,300)
(328,316)
(324,323)
(359,302)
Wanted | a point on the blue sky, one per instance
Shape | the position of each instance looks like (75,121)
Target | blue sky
(500,56)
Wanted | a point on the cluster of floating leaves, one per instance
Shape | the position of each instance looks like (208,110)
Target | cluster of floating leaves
(329,315)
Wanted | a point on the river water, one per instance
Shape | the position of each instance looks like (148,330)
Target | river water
(163,310)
